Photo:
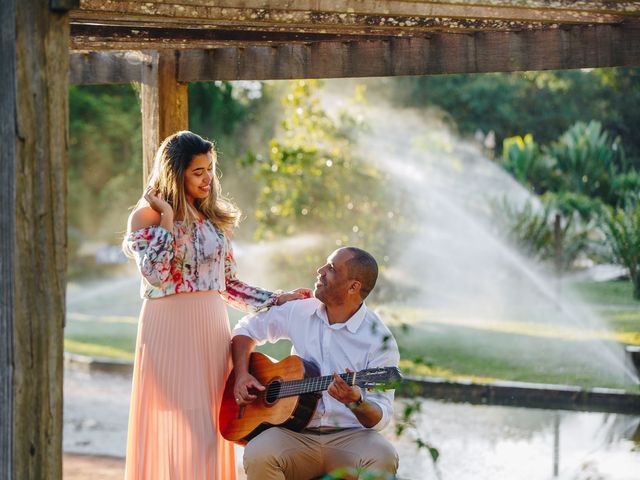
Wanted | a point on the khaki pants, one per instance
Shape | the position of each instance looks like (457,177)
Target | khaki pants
(279,454)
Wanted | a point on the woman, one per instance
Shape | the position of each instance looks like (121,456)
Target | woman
(179,236)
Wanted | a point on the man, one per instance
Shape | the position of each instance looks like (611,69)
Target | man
(337,332)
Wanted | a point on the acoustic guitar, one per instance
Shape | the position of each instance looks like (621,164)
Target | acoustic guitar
(292,390)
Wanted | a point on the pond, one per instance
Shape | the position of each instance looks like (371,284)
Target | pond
(492,442)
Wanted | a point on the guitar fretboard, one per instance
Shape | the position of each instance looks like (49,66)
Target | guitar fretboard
(306,385)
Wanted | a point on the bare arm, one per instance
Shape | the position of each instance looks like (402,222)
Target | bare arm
(241,348)
(159,212)
(368,414)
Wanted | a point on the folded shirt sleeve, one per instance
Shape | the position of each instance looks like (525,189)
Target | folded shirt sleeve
(153,248)
(386,356)
(269,326)
(238,294)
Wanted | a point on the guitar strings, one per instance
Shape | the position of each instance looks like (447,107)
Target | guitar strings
(291,388)
(296,387)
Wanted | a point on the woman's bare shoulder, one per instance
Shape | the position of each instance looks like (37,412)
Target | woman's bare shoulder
(143,217)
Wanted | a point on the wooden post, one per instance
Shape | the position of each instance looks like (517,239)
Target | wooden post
(7,231)
(165,104)
(34,64)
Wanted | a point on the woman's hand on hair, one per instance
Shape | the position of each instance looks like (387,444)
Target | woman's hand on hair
(156,201)
(161,206)
(297,294)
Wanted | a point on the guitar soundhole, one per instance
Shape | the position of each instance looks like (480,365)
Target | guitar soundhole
(272,392)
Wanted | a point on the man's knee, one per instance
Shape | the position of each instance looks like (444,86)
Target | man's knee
(382,457)
(260,451)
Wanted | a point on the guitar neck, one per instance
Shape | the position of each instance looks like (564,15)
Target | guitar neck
(311,385)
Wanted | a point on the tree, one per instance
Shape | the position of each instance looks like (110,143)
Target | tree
(553,232)
(523,159)
(621,227)
(105,160)
(541,103)
(577,175)
(313,181)
(585,160)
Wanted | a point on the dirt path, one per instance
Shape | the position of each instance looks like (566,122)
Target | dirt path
(81,466)
(92,467)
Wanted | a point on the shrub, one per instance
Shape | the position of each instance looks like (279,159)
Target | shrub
(621,227)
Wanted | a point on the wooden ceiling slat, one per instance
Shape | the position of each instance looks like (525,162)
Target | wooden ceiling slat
(393,5)
(441,54)
(103,37)
(575,47)
(349,13)
(108,37)
(323,38)
(517,9)
(305,32)
(100,24)
(88,68)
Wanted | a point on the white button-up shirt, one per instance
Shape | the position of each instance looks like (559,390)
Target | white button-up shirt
(360,343)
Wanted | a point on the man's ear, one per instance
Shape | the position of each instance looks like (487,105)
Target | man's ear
(355,287)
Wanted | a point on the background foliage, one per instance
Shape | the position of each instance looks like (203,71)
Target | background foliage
(569,137)
(544,104)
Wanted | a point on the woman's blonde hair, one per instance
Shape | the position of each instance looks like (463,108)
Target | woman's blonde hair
(170,164)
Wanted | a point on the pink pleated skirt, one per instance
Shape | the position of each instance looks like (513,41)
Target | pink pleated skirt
(181,364)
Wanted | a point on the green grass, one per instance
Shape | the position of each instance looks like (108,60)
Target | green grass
(101,347)
(614,293)
(114,336)
(615,303)
(432,348)
(438,344)
(101,336)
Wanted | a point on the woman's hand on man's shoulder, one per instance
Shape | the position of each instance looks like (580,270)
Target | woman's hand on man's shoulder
(297,294)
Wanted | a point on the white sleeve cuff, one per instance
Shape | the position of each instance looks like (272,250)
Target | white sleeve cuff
(386,415)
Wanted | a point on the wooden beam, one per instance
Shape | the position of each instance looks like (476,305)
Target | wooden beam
(575,47)
(391,14)
(88,68)
(33,151)
(165,104)
(190,24)
(119,37)
(8,162)
(152,34)
(197,24)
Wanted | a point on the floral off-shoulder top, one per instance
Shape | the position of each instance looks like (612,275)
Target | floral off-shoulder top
(194,257)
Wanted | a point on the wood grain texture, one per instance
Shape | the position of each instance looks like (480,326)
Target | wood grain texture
(7,231)
(388,13)
(576,47)
(129,24)
(165,105)
(119,37)
(150,109)
(279,39)
(89,68)
(34,231)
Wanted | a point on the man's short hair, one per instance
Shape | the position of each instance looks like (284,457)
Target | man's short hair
(364,268)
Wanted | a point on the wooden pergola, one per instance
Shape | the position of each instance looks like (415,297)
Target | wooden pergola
(165,44)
